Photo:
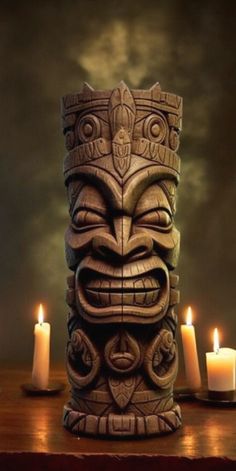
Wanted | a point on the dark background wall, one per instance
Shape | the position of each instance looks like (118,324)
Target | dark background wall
(48,48)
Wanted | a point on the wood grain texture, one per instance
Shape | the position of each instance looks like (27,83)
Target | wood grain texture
(121,174)
(31,432)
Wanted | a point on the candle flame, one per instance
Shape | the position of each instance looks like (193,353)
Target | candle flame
(189,316)
(40,314)
(216,345)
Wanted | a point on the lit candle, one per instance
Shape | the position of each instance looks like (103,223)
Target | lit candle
(192,370)
(40,373)
(220,369)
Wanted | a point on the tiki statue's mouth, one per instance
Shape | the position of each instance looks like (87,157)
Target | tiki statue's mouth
(136,292)
(103,291)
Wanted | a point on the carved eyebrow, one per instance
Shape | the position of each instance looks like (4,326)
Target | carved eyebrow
(148,211)
(153,205)
(85,206)
(89,201)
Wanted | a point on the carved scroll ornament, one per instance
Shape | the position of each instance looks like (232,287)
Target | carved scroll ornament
(121,173)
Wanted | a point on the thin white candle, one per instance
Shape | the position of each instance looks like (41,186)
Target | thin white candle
(192,369)
(220,367)
(40,372)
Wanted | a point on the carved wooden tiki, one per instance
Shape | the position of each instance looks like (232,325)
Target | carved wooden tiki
(121,173)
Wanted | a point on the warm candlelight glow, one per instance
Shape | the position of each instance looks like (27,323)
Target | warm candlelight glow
(216,346)
(220,369)
(41,360)
(192,369)
(189,316)
(40,314)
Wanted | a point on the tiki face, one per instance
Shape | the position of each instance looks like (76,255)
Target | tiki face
(122,256)
(121,174)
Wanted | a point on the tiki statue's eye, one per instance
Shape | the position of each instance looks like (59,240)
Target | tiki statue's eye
(155,128)
(159,219)
(85,219)
(89,128)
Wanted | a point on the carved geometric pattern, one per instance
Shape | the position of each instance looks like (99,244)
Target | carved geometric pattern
(161,360)
(81,356)
(122,424)
(122,390)
(122,353)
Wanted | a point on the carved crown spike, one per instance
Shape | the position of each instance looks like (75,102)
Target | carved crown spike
(122,85)
(156,86)
(122,109)
(87,87)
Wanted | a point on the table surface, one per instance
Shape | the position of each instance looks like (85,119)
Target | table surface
(33,424)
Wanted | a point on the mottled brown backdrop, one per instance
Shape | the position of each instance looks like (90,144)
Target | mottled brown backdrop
(48,48)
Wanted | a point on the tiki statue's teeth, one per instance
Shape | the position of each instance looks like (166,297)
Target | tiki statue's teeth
(130,291)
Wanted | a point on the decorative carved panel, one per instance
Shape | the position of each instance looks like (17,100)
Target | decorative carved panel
(121,173)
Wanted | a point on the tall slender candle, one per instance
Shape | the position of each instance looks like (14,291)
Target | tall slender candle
(40,372)
(192,369)
(220,368)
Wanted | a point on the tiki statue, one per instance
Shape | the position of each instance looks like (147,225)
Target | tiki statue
(121,173)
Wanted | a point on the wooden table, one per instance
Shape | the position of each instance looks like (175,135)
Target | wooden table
(31,437)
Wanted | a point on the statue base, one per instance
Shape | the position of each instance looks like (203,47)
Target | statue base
(121,425)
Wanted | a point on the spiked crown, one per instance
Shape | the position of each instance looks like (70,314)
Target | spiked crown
(121,123)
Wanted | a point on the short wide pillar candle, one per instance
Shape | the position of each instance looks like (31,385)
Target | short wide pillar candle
(220,368)
(192,369)
(40,373)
